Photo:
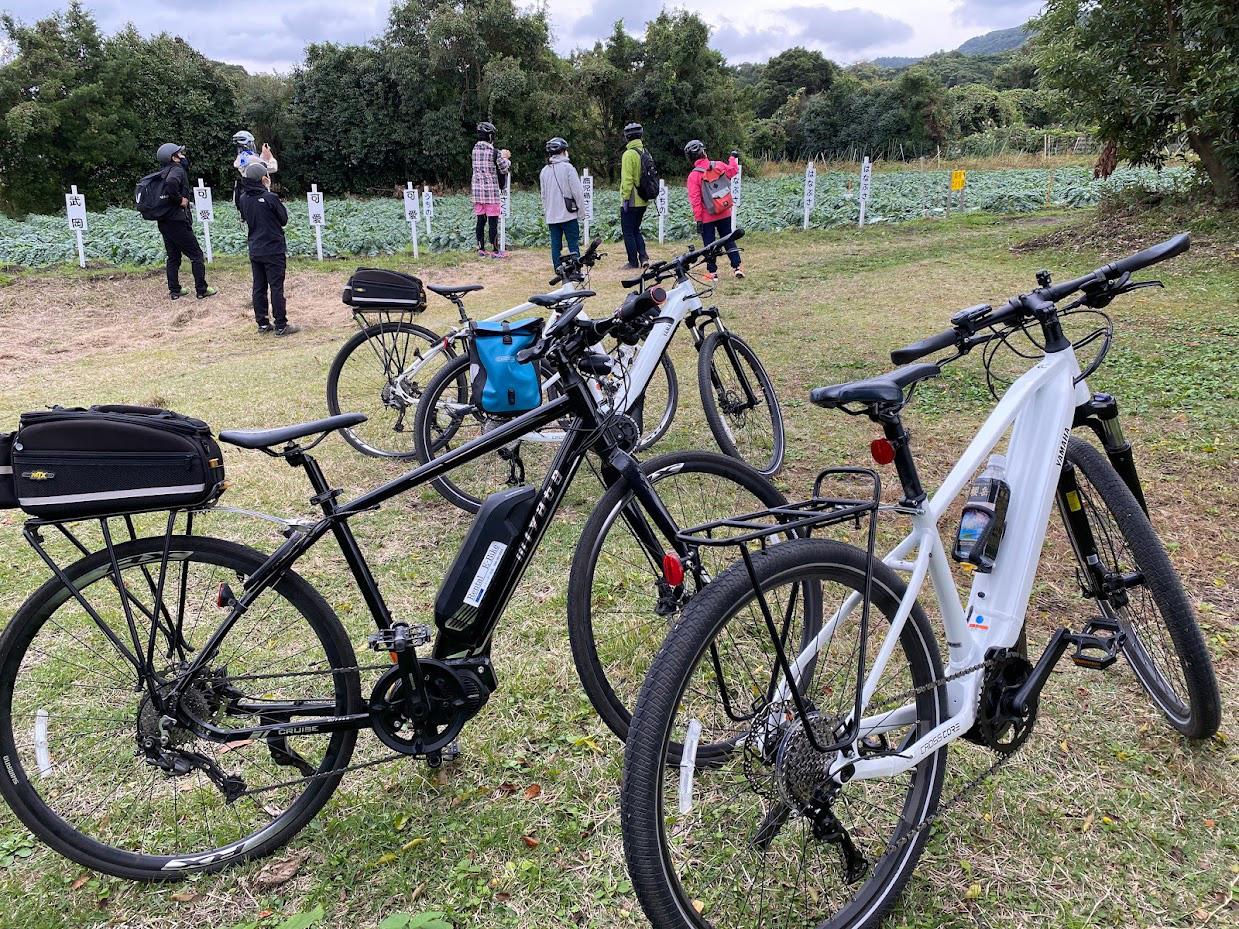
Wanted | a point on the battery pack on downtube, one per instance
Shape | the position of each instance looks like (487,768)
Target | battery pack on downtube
(500,521)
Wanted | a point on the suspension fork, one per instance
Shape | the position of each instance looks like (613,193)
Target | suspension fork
(695,327)
(620,467)
(1101,414)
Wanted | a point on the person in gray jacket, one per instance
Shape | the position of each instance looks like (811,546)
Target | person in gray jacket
(562,200)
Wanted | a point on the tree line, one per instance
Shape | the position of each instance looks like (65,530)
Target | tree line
(78,107)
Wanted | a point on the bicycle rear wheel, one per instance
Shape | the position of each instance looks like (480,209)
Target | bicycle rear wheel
(1134,584)
(756,839)
(739,402)
(371,374)
(95,772)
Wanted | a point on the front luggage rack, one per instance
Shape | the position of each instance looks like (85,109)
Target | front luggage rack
(762,528)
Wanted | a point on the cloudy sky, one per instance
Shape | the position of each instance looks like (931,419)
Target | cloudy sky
(270,34)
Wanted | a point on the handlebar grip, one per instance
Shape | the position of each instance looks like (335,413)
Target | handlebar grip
(632,282)
(526,355)
(934,343)
(1176,245)
(638,304)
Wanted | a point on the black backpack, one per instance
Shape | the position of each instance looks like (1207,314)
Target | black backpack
(151,197)
(647,181)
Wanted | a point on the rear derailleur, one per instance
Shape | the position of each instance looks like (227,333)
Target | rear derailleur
(827,828)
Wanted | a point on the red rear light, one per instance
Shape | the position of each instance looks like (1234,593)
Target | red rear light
(224,598)
(882,451)
(673,569)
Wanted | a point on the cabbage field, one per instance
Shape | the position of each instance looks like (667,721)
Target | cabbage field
(119,235)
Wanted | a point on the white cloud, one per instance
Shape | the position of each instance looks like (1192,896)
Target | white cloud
(271,34)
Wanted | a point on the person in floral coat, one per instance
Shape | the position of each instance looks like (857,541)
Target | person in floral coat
(489,169)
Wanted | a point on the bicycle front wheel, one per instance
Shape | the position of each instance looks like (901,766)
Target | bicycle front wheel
(381,371)
(739,402)
(447,418)
(1124,568)
(108,779)
(759,838)
(619,606)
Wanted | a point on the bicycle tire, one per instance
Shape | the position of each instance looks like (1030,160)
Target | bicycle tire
(378,333)
(20,792)
(1196,714)
(710,382)
(658,887)
(601,687)
(651,437)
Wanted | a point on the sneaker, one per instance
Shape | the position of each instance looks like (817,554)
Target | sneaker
(266,329)
(209,292)
(482,253)
(177,294)
(709,277)
(739,273)
(289,329)
(498,254)
(630,267)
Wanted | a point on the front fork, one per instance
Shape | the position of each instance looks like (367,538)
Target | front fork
(1101,414)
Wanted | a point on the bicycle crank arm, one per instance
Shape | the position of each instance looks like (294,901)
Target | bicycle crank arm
(1092,651)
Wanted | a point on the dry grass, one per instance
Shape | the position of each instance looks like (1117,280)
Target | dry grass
(1105,819)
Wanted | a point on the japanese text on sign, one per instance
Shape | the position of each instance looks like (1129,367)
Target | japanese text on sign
(958,179)
(318,212)
(75,209)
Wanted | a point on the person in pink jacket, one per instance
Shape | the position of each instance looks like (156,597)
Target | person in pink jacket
(709,193)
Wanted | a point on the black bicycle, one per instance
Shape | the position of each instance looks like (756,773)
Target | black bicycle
(178,703)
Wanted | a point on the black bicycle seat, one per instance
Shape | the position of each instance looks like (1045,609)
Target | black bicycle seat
(547,301)
(452,290)
(266,438)
(883,389)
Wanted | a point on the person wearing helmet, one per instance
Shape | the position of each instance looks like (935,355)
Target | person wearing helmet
(245,144)
(562,199)
(632,204)
(709,193)
(177,228)
(266,216)
(489,169)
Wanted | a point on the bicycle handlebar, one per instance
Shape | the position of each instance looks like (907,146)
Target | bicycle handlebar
(570,265)
(593,331)
(965,323)
(680,263)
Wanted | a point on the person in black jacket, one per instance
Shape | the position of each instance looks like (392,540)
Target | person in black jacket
(266,217)
(177,228)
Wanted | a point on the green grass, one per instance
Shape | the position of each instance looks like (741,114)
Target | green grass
(1105,819)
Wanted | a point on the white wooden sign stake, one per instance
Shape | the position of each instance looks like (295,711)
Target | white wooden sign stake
(505,210)
(428,207)
(318,217)
(736,184)
(587,190)
(810,191)
(661,205)
(204,209)
(411,212)
(75,209)
(866,172)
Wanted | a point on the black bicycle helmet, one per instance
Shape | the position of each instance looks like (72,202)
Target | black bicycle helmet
(633,131)
(486,131)
(695,149)
(556,145)
(167,150)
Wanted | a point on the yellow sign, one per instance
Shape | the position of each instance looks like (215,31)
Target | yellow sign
(957,179)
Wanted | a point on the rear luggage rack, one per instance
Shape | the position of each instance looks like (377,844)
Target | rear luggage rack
(799,520)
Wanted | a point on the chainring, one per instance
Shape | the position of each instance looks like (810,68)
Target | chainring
(455,697)
(997,728)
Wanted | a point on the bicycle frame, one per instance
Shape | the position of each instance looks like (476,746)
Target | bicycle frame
(473,644)
(1039,410)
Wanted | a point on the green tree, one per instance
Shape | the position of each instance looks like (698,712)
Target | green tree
(1149,72)
(977,108)
(790,71)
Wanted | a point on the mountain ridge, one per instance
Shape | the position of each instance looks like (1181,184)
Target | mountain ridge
(989,43)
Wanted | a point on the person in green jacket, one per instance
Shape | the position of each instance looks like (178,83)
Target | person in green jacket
(632,206)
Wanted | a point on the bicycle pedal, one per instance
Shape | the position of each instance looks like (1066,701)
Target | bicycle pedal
(400,637)
(446,755)
(1097,644)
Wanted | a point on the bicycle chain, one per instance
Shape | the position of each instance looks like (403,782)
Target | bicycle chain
(967,789)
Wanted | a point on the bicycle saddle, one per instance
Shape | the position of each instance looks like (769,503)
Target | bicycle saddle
(885,388)
(549,300)
(452,290)
(265,438)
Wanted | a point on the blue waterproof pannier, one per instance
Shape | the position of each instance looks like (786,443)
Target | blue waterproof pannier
(501,384)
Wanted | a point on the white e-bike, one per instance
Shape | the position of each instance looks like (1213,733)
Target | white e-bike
(802,693)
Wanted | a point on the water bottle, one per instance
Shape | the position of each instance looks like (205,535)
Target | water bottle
(984,517)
